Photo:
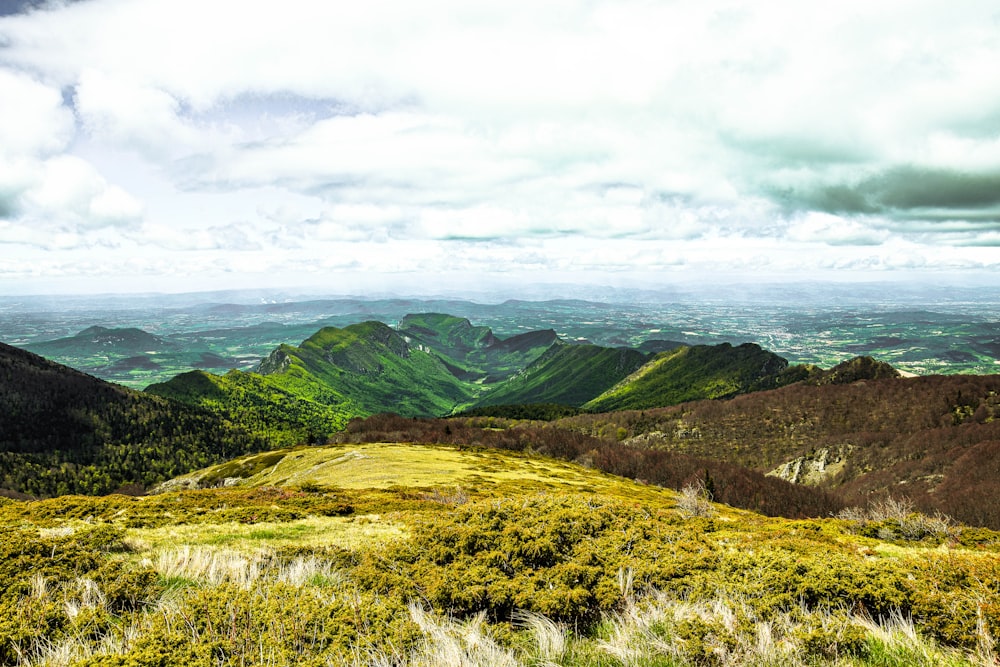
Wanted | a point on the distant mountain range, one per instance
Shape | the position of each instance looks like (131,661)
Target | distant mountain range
(435,364)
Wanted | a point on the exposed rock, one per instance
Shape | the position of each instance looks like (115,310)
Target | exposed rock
(814,468)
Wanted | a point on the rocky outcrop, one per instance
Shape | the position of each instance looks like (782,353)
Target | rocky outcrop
(814,468)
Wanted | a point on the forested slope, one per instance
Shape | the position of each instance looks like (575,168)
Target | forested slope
(934,439)
(62,431)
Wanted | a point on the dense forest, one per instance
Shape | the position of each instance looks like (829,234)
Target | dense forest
(62,431)
(932,439)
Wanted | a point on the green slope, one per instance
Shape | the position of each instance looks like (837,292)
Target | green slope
(446,333)
(62,431)
(566,374)
(691,373)
(373,365)
(309,391)
(282,411)
(474,353)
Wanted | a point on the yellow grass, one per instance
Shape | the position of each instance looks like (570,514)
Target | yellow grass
(346,532)
(479,472)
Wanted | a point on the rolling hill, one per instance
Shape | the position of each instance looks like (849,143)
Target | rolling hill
(428,366)
(309,391)
(566,374)
(696,372)
(435,364)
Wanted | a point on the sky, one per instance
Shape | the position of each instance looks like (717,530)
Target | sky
(180,145)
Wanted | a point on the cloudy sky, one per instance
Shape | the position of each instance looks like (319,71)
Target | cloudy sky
(170,145)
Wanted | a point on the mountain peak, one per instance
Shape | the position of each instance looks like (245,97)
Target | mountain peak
(856,369)
(438,330)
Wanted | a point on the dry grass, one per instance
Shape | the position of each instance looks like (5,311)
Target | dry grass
(899,519)
(214,567)
(657,630)
(693,501)
(352,532)
(395,465)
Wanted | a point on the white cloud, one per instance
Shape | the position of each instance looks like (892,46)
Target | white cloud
(556,136)
(835,231)
(70,192)
(132,115)
(33,121)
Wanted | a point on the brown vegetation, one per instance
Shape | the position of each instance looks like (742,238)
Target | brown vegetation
(935,440)
(731,484)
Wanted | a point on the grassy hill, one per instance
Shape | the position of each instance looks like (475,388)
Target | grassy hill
(286,410)
(306,392)
(410,555)
(435,364)
(690,373)
(309,391)
(375,367)
(472,352)
(566,374)
(480,473)
(62,431)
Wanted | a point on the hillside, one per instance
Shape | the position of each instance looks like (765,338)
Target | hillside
(691,373)
(727,483)
(388,465)
(933,439)
(566,374)
(374,366)
(281,410)
(410,555)
(307,392)
(473,353)
(427,367)
(62,431)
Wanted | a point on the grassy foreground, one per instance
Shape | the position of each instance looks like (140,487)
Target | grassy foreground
(388,554)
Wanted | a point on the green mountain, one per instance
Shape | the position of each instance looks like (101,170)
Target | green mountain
(566,374)
(279,409)
(695,372)
(472,352)
(374,366)
(435,364)
(309,391)
(62,431)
